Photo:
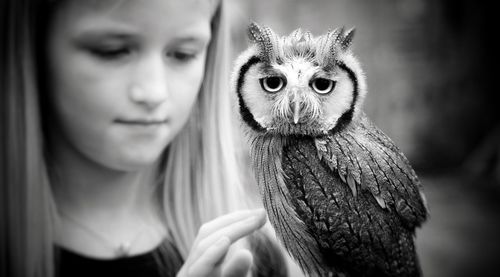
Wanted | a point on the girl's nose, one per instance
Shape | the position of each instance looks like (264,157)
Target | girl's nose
(150,97)
(150,85)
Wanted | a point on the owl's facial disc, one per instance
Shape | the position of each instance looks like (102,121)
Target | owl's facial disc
(296,97)
(291,98)
(299,84)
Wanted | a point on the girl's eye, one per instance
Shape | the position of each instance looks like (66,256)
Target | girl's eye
(273,83)
(181,56)
(110,53)
(322,85)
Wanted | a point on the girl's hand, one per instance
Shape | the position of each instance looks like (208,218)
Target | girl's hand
(212,243)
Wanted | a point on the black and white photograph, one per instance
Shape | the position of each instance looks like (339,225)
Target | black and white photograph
(252,138)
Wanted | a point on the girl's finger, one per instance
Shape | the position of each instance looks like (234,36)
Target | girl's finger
(233,231)
(238,264)
(220,222)
(210,259)
(232,226)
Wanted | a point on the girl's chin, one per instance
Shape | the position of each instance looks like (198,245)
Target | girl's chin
(135,161)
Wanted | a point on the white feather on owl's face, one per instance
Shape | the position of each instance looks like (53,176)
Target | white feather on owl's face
(298,84)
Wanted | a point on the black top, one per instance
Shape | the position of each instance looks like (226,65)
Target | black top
(149,264)
(164,261)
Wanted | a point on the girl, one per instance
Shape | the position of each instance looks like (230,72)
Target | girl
(116,150)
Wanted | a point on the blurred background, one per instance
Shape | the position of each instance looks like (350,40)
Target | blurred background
(431,72)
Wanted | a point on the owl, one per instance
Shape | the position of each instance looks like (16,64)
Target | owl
(342,198)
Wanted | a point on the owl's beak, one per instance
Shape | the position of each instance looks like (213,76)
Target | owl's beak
(296,110)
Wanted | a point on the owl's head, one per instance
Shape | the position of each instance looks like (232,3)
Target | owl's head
(298,84)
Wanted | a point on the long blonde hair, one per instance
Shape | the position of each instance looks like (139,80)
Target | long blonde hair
(26,204)
(200,177)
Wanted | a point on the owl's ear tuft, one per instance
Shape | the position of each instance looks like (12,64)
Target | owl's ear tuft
(254,32)
(307,36)
(296,35)
(338,34)
(265,38)
(346,39)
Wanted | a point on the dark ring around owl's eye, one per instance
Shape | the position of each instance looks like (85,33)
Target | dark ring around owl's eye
(322,85)
(272,83)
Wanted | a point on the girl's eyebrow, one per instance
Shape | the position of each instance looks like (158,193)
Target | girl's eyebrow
(93,35)
(193,39)
(113,33)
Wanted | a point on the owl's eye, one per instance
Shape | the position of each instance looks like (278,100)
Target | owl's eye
(272,84)
(322,85)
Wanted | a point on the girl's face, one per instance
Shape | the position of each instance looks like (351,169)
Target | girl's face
(125,74)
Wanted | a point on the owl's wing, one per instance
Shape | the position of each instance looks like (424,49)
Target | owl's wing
(367,159)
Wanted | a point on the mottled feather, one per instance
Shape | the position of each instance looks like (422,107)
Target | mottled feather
(363,152)
(291,230)
(357,236)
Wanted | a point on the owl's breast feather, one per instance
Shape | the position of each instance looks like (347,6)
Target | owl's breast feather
(329,200)
(293,232)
